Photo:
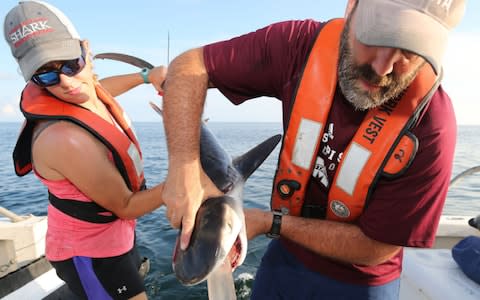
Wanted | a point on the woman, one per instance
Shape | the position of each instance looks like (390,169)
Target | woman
(80,145)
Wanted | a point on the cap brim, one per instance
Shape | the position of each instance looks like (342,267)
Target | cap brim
(387,24)
(41,54)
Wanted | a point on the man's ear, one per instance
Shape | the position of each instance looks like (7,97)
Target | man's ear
(349,8)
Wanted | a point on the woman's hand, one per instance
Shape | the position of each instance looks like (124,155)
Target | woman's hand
(157,78)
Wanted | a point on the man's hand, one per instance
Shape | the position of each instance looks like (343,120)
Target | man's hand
(186,187)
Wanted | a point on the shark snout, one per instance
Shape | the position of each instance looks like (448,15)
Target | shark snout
(217,236)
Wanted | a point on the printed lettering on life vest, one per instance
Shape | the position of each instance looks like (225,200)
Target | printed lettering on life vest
(377,122)
(320,171)
(402,156)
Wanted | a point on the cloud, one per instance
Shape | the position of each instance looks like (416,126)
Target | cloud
(8,110)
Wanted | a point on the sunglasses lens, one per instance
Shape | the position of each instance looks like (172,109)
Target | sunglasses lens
(47,78)
(69,68)
(73,67)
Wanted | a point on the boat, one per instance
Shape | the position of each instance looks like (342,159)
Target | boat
(428,274)
(432,273)
(24,271)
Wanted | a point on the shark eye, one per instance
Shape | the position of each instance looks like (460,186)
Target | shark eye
(230,226)
(228,188)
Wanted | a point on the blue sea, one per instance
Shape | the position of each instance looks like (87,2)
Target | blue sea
(156,238)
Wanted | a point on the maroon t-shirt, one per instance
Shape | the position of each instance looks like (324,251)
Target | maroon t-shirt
(404,211)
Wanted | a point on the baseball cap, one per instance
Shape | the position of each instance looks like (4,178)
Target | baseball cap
(38,33)
(419,26)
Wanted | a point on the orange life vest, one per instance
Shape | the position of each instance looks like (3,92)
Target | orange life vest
(38,104)
(382,145)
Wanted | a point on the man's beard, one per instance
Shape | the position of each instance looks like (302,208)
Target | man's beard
(349,74)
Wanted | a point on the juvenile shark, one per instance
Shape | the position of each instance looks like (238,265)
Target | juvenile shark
(219,233)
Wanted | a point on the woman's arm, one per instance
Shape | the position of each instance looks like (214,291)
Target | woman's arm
(119,84)
(65,150)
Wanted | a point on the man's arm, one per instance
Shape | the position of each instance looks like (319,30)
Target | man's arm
(337,240)
(186,185)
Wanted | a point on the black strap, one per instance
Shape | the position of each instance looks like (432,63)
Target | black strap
(314,211)
(85,211)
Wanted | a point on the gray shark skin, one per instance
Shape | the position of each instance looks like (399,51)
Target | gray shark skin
(219,232)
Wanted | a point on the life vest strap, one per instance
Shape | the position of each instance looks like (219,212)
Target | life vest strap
(314,211)
(22,157)
(85,211)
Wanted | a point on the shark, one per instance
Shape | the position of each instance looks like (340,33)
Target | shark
(218,243)
(219,234)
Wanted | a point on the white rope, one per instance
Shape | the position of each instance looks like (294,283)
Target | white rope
(11,215)
(467,172)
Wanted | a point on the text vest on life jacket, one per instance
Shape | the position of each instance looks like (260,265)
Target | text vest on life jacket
(382,144)
(38,104)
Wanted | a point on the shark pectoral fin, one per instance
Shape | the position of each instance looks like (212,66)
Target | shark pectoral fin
(220,283)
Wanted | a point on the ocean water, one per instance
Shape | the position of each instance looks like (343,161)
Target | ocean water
(25,195)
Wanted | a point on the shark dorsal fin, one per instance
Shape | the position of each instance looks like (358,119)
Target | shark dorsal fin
(247,163)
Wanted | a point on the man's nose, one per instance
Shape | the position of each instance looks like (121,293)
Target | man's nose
(386,59)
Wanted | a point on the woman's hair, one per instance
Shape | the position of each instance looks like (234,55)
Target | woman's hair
(89,58)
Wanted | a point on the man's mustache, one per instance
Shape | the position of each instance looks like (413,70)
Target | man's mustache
(367,73)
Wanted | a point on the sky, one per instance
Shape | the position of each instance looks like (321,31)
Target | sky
(142,27)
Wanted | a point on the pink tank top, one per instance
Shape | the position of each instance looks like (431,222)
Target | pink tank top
(68,237)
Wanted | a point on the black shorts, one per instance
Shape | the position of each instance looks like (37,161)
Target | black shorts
(102,278)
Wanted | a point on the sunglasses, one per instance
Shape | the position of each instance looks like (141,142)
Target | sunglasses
(51,77)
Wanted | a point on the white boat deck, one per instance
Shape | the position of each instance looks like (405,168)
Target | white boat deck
(432,274)
(38,288)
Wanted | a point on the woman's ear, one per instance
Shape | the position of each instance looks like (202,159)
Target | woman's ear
(85,44)
(89,57)
(86,48)
(88,53)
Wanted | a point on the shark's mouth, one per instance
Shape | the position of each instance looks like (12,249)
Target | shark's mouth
(234,256)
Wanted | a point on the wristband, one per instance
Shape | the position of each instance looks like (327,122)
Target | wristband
(144,73)
(274,232)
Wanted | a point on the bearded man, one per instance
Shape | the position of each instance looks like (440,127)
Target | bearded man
(368,145)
